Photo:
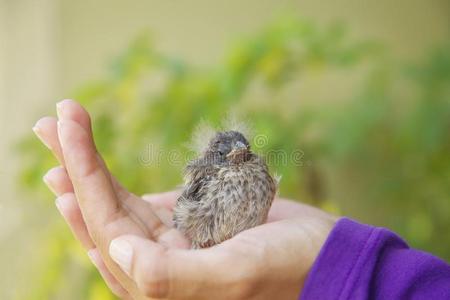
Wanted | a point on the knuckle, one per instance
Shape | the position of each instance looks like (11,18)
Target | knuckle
(152,276)
(154,287)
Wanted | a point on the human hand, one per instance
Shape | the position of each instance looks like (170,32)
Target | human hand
(268,261)
(124,213)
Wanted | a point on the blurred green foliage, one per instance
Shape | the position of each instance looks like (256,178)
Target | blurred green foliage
(378,152)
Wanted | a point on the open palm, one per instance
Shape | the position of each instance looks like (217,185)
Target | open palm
(139,253)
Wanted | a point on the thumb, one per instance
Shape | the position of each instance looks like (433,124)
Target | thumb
(161,272)
(144,261)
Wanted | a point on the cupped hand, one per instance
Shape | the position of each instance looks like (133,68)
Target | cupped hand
(139,253)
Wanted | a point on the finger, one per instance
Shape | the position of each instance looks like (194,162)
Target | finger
(58,181)
(166,200)
(102,211)
(100,208)
(68,207)
(162,204)
(88,178)
(46,127)
(71,110)
(110,280)
(46,130)
(173,273)
(165,215)
(156,220)
(91,178)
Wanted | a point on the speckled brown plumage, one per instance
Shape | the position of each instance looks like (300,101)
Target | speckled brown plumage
(227,190)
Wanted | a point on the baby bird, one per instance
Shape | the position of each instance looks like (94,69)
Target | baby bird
(227,190)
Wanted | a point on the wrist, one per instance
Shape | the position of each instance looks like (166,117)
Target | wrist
(283,263)
(312,234)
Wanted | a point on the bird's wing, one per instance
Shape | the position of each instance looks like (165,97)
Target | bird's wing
(197,176)
(196,179)
(192,190)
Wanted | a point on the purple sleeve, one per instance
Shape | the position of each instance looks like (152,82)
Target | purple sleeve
(363,262)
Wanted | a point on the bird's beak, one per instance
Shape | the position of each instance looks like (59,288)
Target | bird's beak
(239,147)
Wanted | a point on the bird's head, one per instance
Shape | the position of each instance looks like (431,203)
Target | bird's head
(229,147)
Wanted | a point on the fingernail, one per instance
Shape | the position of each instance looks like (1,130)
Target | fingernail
(64,202)
(93,256)
(122,253)
(38,133)
(60,106)
(58,204)
(59,110)
(59,126)
(50,176)
(48,182)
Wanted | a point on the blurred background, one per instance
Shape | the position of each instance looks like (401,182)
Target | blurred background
(359,90)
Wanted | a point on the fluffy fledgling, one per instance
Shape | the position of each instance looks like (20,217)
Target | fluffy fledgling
(227,190)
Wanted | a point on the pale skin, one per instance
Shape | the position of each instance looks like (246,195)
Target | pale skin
(140,255)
